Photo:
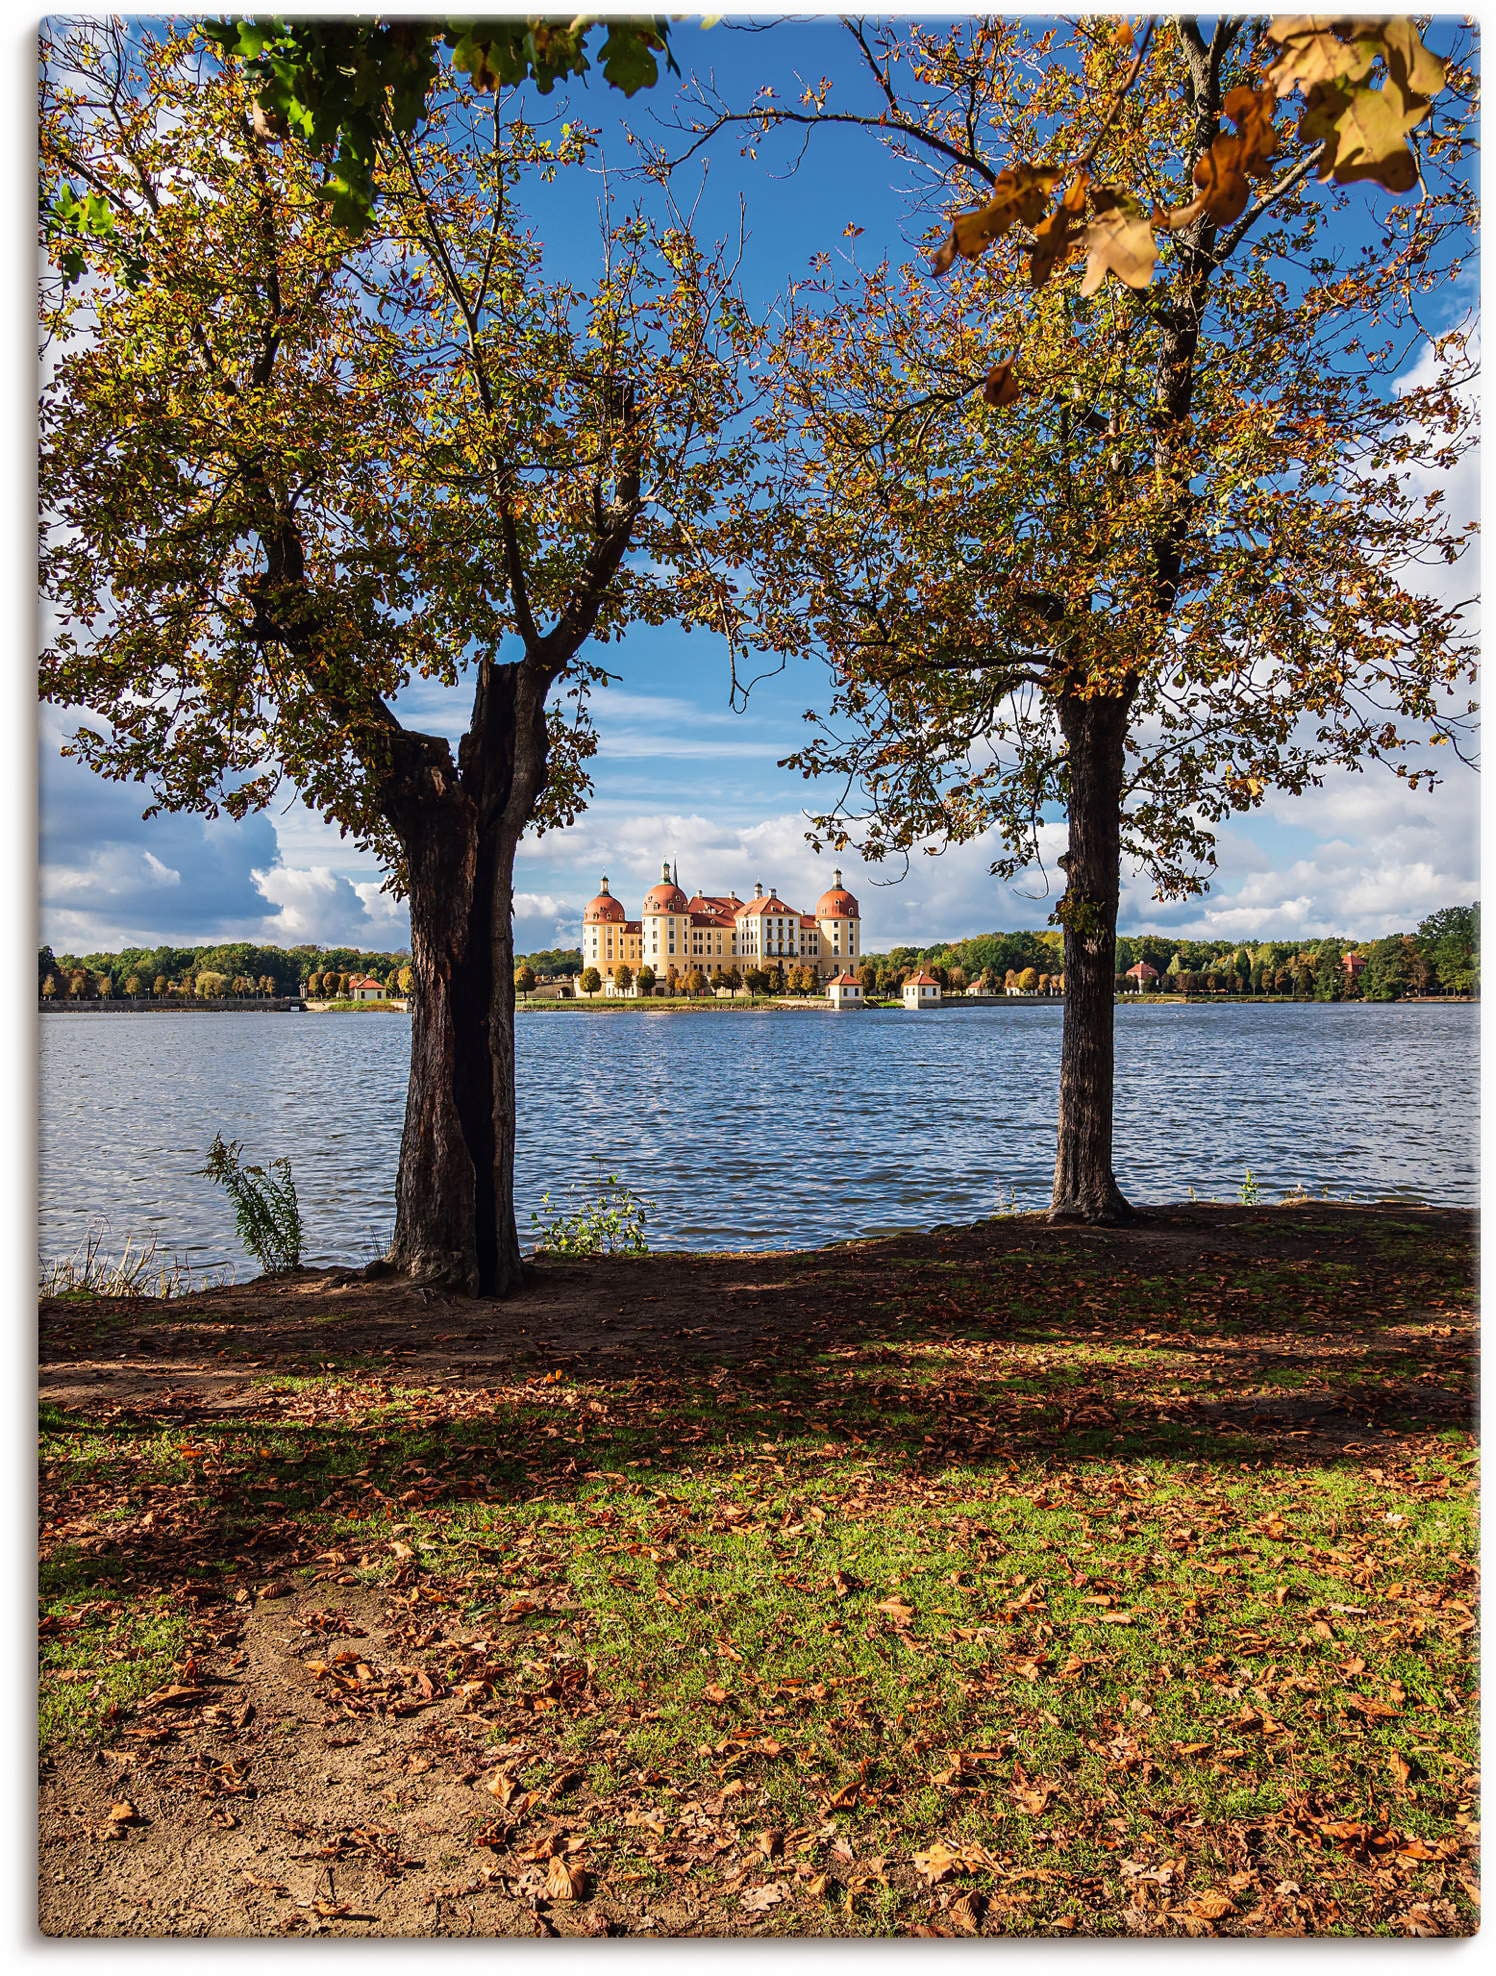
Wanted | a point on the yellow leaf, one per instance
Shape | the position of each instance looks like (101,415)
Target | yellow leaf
(1119,241)
(1221,175)
(1018,195)
(1415,70)
(1312,52)
(1363,134)
(1057,236)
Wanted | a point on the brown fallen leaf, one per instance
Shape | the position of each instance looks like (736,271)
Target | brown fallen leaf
(759,1898)
(565,1880)
(936,1862)
(899,1610)
(1211,1904)
(1402,1770)
(274,1887)
(968,1911)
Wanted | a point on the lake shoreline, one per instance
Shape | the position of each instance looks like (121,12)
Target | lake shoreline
(661,1005)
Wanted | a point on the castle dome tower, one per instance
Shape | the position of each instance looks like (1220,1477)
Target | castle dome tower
(603,909)
(666,897)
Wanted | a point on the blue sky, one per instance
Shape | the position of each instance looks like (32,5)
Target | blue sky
(682,775)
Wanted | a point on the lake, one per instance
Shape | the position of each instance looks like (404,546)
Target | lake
(755,1130)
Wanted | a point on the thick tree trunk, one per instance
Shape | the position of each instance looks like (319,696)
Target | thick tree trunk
(454,1193)
(1085,1188)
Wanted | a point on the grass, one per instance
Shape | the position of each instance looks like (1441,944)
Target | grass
(1022,1576)
(99,1654)
(140,1269)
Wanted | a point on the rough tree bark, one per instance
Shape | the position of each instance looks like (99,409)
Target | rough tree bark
(1085,1187)
(460,829)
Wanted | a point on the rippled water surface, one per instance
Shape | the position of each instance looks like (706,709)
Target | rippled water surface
(755,1130)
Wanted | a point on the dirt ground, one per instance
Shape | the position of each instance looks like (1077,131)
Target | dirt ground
(321,1757)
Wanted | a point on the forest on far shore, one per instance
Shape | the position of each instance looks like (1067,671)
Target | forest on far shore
(1440,957)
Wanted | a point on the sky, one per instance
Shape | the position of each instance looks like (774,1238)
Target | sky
(680,774)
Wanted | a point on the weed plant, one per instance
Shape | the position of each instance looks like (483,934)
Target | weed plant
(611,1223)
(266,1213)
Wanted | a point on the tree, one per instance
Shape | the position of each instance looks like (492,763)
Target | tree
(757,980)
(589,981)
(735,978)
(1028,981)
(334,467)
(623,978)
(132,985)
(696,982)
(524,979)
(340,85)
(1449,941)
(46,963)
(646,980)
(211,986)
(160,985)
(1329,972)
(1388,977)
(51,987)
(1169,554)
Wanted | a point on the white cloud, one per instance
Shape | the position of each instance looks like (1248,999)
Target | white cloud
(317,905)
(1363,855)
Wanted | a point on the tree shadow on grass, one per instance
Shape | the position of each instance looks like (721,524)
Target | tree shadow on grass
(971,1361)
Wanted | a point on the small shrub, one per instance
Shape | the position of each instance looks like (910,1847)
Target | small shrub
(611,1223)
(1250,1192)
(265,1207)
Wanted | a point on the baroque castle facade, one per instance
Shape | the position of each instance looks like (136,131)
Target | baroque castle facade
(677,934)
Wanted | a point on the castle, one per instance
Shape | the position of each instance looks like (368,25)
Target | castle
(674,934)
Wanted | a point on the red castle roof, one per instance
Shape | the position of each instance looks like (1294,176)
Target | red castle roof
(603,908)
(838,903)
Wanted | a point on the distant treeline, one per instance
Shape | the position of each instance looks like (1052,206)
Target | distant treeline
(231,968)
(1441,957)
